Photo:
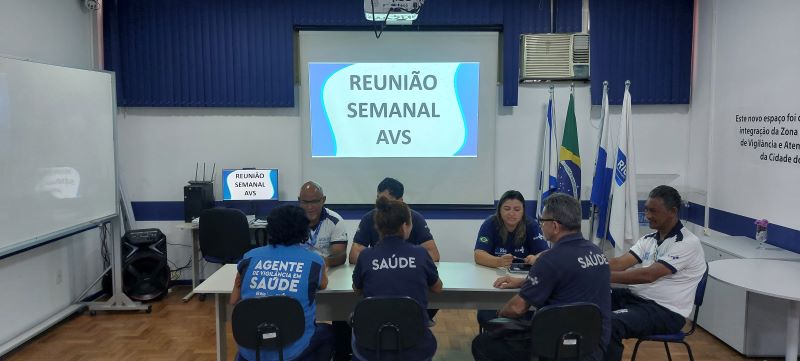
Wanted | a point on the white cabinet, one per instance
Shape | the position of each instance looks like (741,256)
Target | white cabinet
(753,324)
(723,313)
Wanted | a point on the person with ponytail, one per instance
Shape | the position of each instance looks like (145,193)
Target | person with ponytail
(394,267)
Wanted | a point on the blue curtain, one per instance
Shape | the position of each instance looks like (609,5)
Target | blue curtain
(648,42)
(568,16)
(202,53)
(240,53)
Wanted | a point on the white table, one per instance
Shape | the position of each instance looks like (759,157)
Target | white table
(744,247)
(752,324)
(196,256)
(466,286)
(768,277)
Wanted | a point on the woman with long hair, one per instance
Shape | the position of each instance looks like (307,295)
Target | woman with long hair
(508,236)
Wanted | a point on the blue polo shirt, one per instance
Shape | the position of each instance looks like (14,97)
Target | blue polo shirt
(489,239)
(394,267)
(574,270)
(292,271)
(367,235)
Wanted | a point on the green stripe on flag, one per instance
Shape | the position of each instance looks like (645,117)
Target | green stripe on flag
(569,143)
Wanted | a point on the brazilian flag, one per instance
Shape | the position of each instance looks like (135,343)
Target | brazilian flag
(569,156)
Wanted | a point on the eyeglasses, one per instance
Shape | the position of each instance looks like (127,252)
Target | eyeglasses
(312,202)
(542,220)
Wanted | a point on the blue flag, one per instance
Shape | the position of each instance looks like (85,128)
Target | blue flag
(603,166)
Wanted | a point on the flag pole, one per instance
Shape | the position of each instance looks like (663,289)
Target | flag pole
(594,209)
(542,176)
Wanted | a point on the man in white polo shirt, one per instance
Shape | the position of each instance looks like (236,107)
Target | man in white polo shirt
(661,289)
(327,237)
(327,234)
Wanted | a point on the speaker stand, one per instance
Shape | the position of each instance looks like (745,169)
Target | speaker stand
(118,301)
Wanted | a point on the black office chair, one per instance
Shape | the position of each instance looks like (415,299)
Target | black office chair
(224,235)
(567,331)
(267,322)
(392,324)
(680,336)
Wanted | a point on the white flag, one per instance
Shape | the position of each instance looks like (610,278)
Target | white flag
(548,172)
(623,227)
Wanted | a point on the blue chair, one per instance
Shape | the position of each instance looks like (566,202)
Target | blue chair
(224,235)
(267,322)
(569,331)
(387,325)
(679,337)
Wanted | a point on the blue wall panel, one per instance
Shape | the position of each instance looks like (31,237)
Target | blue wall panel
(568,15)
(240,53)
(202,53)
(648,42)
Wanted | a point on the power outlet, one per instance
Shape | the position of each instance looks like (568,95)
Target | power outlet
(59,277)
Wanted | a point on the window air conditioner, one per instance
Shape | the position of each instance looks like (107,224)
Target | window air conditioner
(554,57)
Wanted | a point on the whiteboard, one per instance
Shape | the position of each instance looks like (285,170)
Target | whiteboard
(56,152)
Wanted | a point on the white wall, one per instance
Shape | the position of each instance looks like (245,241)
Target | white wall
(48,31)
(751,77)
(41,282)
(159,148)
(702,95)
(742,69)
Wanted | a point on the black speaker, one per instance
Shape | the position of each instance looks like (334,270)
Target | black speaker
(197,196)
(145,271)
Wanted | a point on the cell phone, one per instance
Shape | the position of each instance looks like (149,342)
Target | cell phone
(519,268)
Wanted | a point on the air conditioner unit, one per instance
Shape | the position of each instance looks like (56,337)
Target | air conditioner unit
(554,57)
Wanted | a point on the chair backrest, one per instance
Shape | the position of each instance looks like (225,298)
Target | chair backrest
(699,294)
(388,323)
(258,322)
(701,289)
(566,331)
(224,235)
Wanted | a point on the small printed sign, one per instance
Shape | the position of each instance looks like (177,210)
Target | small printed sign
(249,184)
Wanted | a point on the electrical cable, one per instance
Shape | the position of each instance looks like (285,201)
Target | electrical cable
(384,23)
(104,245)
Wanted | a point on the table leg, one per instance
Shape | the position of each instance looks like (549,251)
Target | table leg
(221,303)
(195,265)
(792,330)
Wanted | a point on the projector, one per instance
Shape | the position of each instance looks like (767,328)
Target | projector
(93,5)
(397,12)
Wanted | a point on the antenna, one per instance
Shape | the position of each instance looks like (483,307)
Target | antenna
(204,171)
(196,166)
(213,168)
